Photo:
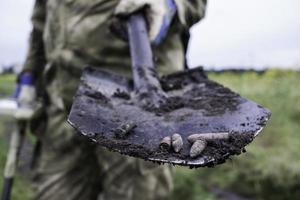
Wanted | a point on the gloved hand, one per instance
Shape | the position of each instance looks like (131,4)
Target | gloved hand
(25,95)
(159,15)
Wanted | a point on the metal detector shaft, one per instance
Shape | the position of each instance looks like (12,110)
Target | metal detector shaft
(12,159)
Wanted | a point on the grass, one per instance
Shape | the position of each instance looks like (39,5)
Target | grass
(7,84)
(271,167)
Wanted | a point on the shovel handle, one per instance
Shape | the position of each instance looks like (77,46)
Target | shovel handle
(144,74)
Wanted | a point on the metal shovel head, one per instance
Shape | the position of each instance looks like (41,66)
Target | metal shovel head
(104,110)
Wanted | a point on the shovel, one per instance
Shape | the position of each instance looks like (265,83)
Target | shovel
(145,116)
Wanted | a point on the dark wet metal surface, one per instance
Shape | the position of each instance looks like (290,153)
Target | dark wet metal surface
(104,103)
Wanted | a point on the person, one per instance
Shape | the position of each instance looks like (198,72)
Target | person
(66,36)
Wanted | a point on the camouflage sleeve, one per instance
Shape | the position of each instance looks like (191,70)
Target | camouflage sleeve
(190,11)
(35,59)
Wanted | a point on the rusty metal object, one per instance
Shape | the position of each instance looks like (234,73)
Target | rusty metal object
(208,136)
(177,142)
(197,148)
(165,143)
(124,130)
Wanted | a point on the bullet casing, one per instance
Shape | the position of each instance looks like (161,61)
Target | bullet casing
(208,136)
(197,148)
(124,130)
(177,142)
(165,143)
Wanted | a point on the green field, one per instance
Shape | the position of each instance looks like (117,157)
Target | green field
(269,170)
(7,84)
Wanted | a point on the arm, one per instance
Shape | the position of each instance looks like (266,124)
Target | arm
(190,11)
(36,60)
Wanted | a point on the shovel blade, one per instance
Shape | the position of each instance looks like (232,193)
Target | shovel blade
(104,111)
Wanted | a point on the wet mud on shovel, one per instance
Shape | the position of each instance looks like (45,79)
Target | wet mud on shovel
(105,110)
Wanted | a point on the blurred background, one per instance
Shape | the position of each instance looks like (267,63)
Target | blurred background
(251,46)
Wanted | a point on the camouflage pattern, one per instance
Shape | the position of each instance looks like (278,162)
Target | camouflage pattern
(68,35)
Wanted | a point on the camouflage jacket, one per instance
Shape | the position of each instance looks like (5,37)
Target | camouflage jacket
(69,34)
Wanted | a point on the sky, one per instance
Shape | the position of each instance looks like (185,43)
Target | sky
(234,34)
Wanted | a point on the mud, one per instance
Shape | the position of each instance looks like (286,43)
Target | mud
(206,96)
(195,105)
(121,94)
(215,153)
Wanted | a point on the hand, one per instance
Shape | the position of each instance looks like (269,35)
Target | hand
(159,15)
(26,97)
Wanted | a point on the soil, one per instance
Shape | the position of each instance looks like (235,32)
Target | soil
(195,105)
